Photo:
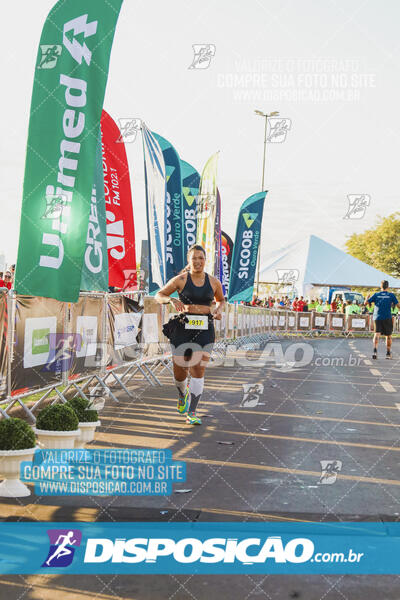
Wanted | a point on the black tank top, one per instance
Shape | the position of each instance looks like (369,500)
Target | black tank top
(194,294)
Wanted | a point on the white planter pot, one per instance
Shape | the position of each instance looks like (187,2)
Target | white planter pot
(86,434)
(10,461)
(56,439)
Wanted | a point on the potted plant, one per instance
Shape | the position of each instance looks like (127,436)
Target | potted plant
(17,444)
(88,420)
(57,426)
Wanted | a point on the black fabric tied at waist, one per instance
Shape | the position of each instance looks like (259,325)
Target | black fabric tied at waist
(177,324)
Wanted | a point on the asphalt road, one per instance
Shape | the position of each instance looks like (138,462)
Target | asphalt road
(311,400)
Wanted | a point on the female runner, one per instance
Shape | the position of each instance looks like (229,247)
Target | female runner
(194,339)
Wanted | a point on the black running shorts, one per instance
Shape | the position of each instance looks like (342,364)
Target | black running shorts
(384,326)
(186,341)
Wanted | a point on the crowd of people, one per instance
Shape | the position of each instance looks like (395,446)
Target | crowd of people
(301,304)
(7,279)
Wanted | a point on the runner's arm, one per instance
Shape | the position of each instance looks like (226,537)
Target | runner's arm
(219,297)
(174,285)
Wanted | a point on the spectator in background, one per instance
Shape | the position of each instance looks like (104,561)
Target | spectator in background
(394,311)
(350,308)
(334,305)
(6,282)
(327,306)
(300,304)
(311,304)
(340,306)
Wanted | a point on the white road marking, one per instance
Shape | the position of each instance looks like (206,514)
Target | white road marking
(368,362)
(375,372)
(397,405)
(387,386)
(362,355)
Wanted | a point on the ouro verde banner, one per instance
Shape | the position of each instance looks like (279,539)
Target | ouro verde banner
(245,249)
(67,99)
(190,189)
(174,234)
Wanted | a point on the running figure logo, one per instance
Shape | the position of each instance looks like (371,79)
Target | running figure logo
(358,204)
(251,394)
(62,542)
(203,53)
(54,204)
(278,129)
(329,471)
(129,128)
(49,58)
(287,276)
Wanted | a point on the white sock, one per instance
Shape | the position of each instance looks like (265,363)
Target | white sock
(196,385)
(181,385)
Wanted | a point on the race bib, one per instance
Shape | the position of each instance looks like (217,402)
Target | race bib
(197,322)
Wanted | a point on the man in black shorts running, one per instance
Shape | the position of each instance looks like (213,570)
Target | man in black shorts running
(383,300)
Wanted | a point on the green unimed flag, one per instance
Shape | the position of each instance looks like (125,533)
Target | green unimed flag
(67,100)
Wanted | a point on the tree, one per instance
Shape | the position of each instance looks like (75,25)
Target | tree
(379,247)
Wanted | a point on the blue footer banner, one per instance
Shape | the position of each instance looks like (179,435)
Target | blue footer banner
(200,548)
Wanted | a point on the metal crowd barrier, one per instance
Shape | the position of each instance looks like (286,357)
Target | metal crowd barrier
(102,342)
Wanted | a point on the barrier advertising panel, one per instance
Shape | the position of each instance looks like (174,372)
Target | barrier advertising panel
(124,326)
(282,320)
(357,323)
(291,321)
(39,357)
(86,335)
(336,321)
(319,321)
(303,321)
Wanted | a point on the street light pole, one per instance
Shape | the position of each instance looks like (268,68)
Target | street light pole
(265,151)
(265,115)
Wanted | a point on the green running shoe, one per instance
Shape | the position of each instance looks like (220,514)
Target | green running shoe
(183,401)
(192,419)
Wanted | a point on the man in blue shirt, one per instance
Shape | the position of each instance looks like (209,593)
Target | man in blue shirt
(383,300)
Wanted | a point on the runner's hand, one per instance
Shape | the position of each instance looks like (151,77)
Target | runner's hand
(217,316)
(177,304)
